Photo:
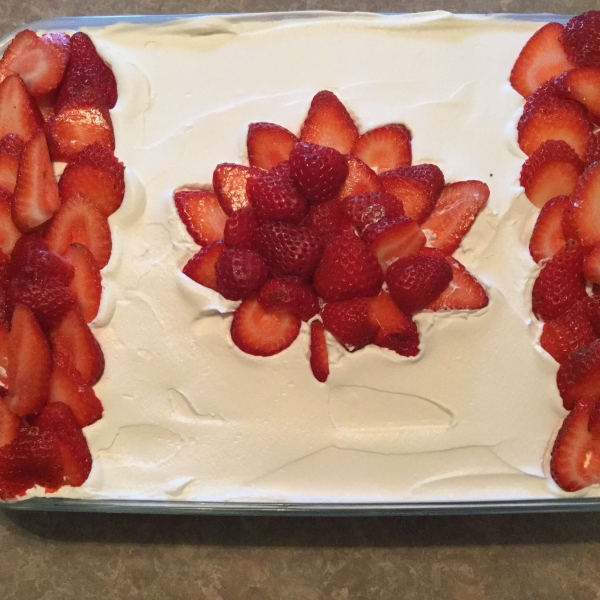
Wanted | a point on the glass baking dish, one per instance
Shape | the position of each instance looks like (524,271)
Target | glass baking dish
(281,508)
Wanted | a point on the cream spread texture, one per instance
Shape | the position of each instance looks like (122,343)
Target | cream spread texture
(190,417)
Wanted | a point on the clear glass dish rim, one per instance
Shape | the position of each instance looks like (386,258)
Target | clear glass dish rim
(283,508)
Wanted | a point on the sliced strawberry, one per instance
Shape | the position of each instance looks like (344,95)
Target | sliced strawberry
(201,214)
(29,364)
(348,321)
(366,209)
(36,195)
(10,425)
(201,267)
(11,151)
(552,170)
(594,420)
(327,219)
(291,294)
(275,198)
(4,353)
(385,148)
(592,307)
(547,237)
(46,104)
(591,265)
(328,123)
(593,152)
(86,284)
(542,58)
(76,126)
(391,239)
(67,386)
(96,173)
(578,376)
(585,203)
(581,39)
(9,234)
(18,112)
(319,358)
(79,221)
(268,144)
(583,85)
(260,332)
(229,183)
(240,273)
(555,119)
(361,179)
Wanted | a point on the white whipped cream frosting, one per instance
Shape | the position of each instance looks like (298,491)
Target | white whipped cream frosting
(190,417)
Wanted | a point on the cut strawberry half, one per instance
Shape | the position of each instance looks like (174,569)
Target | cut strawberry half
(96,173)
(454,214)
(542,58)
(328,123)
(68,386)
(241,229)
(366,209)
(385,148)
(361,179)
(11,151)
(348,321)
(240,273)
(201,267)
(19,113)
(74,339)
(9,234)
(319,358)
(260,332)
(593,153)
(578,376)
(584,215)
(291,294)
(201,214)
(10,425)
(583,85)
(547,237)
(36,195)
(268,144)
(79,221)
(86,284)
(29,364)
(229,183)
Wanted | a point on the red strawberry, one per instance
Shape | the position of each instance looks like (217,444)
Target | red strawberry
(29,364)
(547,90)
(454,213)
(76,126)
(552,170)
(581,39)
(275,198)
(281,169)
(67,386)
(261,332)
(46,105)
(317,171)
(366,209)
(40,61)
(593,153)
(319,358)
(395,330)
(9,234)
(567,333)
(328,123)
(201,267)
(36,195)
(591,265)
(86,284)
(547,237)
(96,173)
(385,148)
(327,219)
(575,461)
(542,58)
(11,151)
(87,76)
(74,339)
(229,183)
(592,307)
(348,269)
(555,119)
(581,218)
(288,293)
(10,425)
(361,179)
(241,229)
(268,144)
(348,321)
(464,291)
(288,249)
(416,281)
(390,239)
(560,283)
(18,112)
(4,355)
(583,85)
(201,214)
(240,273)
(24,253)
(578,376)
(594,420)
(79,221)
(58,420)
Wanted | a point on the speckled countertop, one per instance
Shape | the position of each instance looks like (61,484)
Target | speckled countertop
(54,556)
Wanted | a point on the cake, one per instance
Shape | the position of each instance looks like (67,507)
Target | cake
(187,415)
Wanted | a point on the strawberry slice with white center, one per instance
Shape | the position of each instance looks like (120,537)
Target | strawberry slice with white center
(584,214)
(319,357)
(11,151)
(454,214)
(201,268)
(10,425)
(229,183)
(583,85)
(29,364)
(547,237)
(268,144)
(361,179)
(201,214)
(9,234)
(36,195)
(328,123)
(591,265)
(542,58)
(575,462)
(87,281)
(385,148)
(19,113)
(79,221)
(261,332)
